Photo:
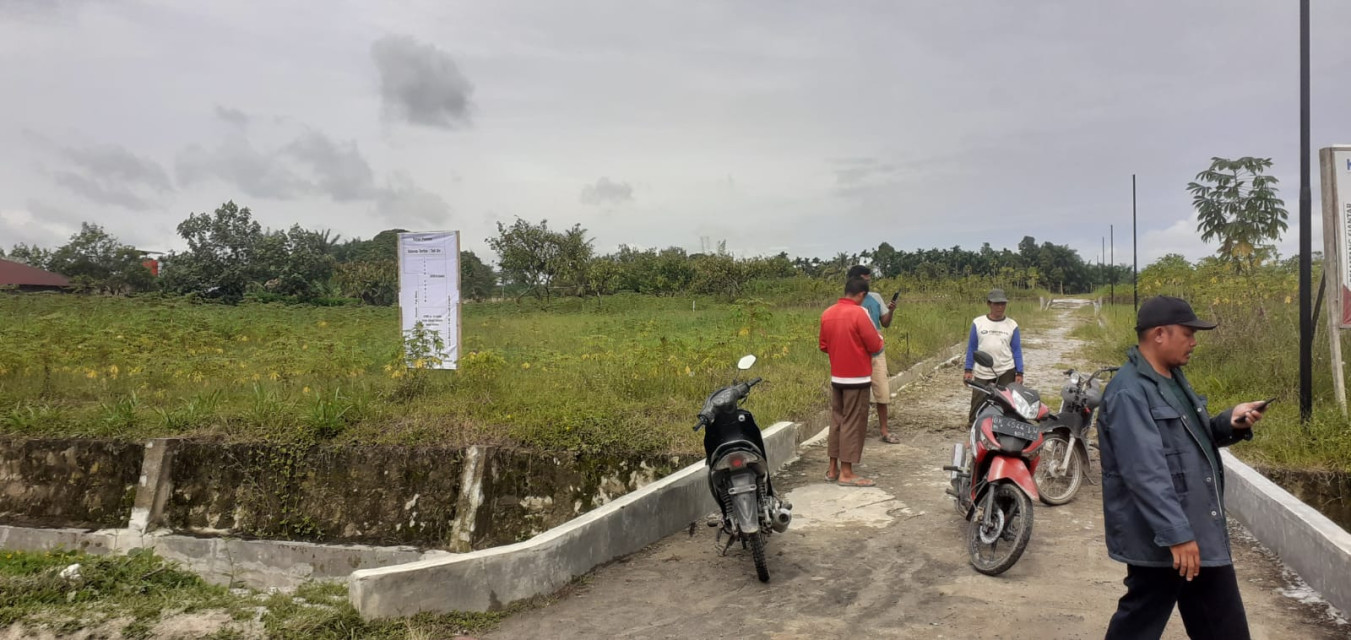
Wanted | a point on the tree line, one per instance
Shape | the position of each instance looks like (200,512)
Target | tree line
(230,257)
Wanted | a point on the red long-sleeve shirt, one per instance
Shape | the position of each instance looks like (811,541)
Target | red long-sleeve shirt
(848,336)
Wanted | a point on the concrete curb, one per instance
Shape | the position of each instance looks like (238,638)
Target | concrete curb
(491,579)
(1306,540)
(260,564)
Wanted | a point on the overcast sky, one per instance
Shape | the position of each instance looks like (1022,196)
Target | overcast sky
(785,125)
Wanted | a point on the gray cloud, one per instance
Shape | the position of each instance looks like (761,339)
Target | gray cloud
(237,162)
(308,165)
(232,116)
(100,192)
(607,192)
(851,172)
(111,175)
(404,204)
(311,164)
(116,163)
(340,170)
(421,83)
(53,215)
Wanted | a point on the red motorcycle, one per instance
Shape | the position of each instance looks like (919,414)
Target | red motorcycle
(992,480)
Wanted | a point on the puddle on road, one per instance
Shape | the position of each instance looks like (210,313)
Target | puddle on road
(829,506)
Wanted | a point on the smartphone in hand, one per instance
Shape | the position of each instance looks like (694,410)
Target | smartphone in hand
(1261,406)
(894,296)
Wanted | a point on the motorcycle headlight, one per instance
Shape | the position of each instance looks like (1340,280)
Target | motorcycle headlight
(1028,410)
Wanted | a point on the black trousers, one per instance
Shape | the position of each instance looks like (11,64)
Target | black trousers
(1210,604)
(977,397)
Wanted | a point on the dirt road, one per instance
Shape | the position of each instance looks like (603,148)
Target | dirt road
(889,562)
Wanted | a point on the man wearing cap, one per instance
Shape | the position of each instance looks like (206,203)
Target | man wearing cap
(997,335)
(1163,484)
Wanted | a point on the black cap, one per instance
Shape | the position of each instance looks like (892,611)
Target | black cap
(1161,311)
(996,295)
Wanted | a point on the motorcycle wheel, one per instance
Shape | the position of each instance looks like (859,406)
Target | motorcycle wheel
(994,552)
(1057,489)
(758,552)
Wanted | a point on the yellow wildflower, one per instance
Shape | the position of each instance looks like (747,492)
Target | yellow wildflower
(306,390)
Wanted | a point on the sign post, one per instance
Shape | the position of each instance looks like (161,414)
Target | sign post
(1336,179)
(429,292)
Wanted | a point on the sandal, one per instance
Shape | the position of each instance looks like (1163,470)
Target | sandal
(830,478)
(891,438)
(857,482)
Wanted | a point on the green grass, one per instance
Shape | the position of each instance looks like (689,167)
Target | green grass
(621,374)
(1253,355)
(132,593)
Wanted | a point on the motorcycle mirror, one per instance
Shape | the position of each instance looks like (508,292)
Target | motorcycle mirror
(745,363)
(983,359)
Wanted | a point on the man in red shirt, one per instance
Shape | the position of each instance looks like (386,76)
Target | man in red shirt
(848,337)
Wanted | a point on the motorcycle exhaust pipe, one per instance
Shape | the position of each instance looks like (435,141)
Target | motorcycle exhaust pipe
(782,518)
(958,458)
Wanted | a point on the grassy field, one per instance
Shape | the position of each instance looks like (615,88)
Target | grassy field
(626,373)
(141,596)
(1252,355)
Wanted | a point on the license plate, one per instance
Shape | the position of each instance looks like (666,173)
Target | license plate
(1016,428)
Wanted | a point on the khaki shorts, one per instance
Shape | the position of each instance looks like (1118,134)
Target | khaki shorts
(881,387)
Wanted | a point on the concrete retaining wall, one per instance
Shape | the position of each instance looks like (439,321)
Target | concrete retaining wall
(494,578)
(67,482)
(1306,540)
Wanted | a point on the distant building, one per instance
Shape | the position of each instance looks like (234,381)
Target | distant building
(26,278)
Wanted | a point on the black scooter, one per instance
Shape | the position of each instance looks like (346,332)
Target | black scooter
(738,472)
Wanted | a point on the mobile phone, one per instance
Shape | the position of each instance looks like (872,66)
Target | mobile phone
(1261,406)
(895,295)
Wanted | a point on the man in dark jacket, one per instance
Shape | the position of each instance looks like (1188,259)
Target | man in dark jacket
(1163,485)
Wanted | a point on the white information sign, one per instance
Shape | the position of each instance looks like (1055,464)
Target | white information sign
(429,289)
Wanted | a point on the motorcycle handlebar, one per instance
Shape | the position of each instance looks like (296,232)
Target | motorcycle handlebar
(977,385)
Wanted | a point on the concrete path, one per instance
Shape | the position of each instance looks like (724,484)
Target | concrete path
(889,562)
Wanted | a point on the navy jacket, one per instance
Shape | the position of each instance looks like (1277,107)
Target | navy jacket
(1162,482)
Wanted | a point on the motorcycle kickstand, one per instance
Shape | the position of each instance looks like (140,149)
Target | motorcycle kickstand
(730,539)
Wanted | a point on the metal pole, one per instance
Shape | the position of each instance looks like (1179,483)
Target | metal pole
(1305,228)
(1111,275)
(1135,249)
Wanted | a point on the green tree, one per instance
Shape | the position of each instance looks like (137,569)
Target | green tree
(297,262)
(542,260)
(373,282)
(31,255)
(476,278)
(1236,203)
(97,261)
(221,259)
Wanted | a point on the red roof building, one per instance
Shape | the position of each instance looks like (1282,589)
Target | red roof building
(17,274)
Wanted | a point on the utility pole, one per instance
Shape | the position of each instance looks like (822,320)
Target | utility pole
(1111,275)
(1135,248)
(1305,228)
